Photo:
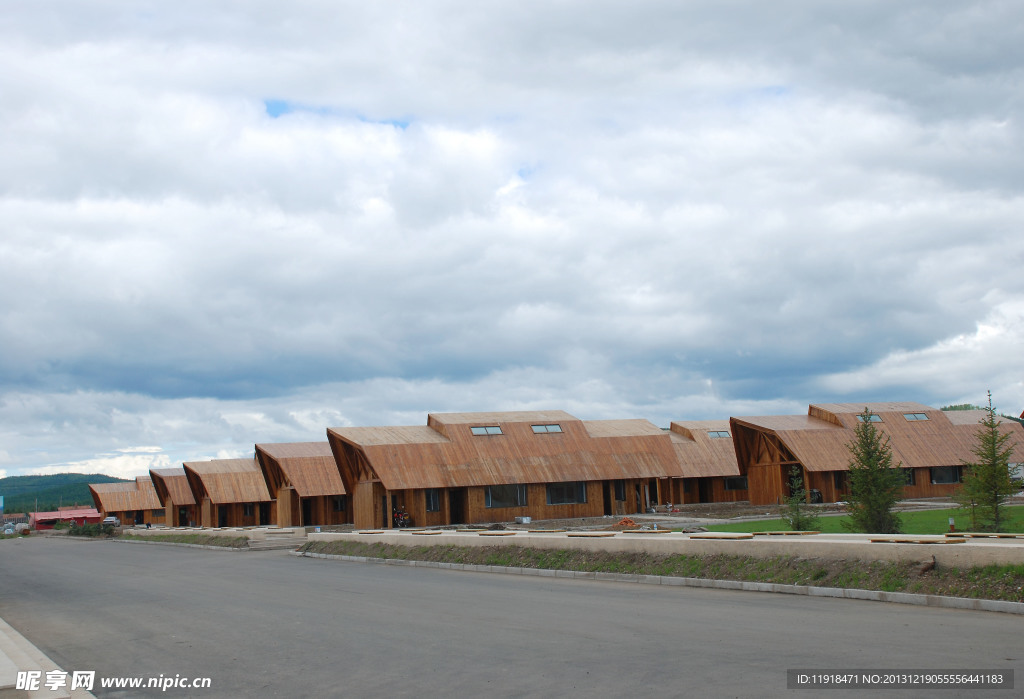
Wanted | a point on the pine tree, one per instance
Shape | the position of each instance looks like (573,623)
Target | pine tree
(875,485)
(796,512)
(987,482)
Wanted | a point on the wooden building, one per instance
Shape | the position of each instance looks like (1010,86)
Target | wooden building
(305,482)
(491,467)
(176,495)
(707,460)
(230,493)
(929,444)
(134,502)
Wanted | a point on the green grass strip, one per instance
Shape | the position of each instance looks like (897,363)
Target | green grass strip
(921,522)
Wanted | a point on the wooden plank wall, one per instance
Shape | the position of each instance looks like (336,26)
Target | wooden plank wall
(365,503)
(537,507)
(190,518)
(686,491)
(765,484)
(922,488)
(476,511)
(322,511)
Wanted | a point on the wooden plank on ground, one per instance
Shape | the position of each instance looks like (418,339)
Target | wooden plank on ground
(985,535)
(721,535)
(915,540)
(594,535)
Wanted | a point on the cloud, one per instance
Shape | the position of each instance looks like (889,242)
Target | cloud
(968,364)
(224,227)
(119,465)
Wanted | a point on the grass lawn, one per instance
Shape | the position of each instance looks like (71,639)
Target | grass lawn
(922,522)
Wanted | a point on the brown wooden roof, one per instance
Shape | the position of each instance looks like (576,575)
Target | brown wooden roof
(447,454)
(172,486)
(819,440)
(309,467)
(698,454)
(125,497)
(226,481)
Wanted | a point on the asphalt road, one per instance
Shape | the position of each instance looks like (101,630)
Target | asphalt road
(270,624)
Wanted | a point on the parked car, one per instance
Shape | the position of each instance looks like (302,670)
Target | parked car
(112,521)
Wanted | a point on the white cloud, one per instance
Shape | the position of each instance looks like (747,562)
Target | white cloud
(582,205)
(118,465)
(961,368)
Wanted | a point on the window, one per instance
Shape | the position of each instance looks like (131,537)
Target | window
(735,482)
(433,499)
(908,476)
(913,417)
(505,496)
(839,481)
(568,493)
(489,429)
(718,434)
(870,418)
(339,503)
(620,491)
(159,513)
(247,509)
(943,475)
(541,429)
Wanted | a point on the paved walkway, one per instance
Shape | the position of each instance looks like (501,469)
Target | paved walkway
(17,654)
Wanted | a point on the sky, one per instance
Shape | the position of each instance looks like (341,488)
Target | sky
(230,223)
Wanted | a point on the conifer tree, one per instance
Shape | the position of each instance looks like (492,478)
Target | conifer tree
(797,513)
(875,485)
(987,482)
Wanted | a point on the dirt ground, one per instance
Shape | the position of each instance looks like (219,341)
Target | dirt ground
(692,517)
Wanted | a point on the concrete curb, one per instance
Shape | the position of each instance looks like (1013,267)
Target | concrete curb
(982,605)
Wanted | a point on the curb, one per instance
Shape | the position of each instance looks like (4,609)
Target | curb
(939,601)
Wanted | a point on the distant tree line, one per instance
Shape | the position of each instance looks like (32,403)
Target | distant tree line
(22,493)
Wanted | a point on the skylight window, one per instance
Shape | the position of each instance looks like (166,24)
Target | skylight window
(870,418)
(542,429)
(718,434)
(485,430)
(913,417)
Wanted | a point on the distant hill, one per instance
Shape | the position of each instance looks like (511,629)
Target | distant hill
(21,493)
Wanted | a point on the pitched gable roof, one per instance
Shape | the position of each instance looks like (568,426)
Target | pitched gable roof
(446,453)
(125,497)
(172,486)
(227,481)
(819,439)
(699,454)
(309,467)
